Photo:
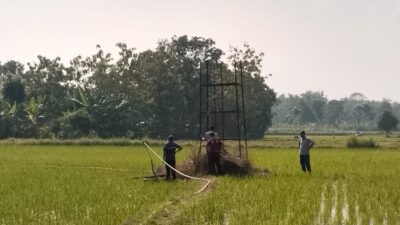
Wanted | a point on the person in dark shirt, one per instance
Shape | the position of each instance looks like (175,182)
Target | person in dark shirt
(169,150)
(214,148)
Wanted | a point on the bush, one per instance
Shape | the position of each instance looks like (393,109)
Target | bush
(75,124)
(45,133)
(354,142)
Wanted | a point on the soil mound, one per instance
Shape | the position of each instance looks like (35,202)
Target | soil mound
(197,165)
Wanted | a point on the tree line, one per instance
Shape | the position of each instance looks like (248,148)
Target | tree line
(149,93)
(355,112)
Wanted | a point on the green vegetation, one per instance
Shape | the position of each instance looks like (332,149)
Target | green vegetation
(94,185)
(314,111)
(355,142)
(79,185)
(327,140)
(151,93)
(387,122)
(85,141)
(269,141)
(346,187)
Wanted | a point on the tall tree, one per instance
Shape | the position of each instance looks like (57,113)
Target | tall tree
(170,84)
(387,122)
(259,96)
(14,91)
(334,112)
(312,107)
(115,97)
(46,80)
(11,68)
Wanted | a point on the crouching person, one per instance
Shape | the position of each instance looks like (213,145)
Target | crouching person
(214,148)
(169,150)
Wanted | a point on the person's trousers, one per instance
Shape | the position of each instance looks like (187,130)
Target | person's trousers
(305,163)
(169,171)
(214,163)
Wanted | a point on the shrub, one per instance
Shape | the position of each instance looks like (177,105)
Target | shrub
(75,124)
(45,132)
(355,142)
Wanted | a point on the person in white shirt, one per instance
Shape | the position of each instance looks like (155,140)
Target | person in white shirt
(207,135)
(305,145)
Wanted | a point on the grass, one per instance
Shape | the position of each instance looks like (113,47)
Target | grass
(79,185)
(269,141)
(355,185)
(82,141)
(326,141)
(60,184)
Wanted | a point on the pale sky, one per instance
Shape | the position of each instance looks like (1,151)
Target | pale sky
(335,46)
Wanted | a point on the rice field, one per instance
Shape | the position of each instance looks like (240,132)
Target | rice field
(345,187)
(79,185)
(97,185)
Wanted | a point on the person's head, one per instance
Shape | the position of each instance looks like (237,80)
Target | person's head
(302,134)
(212,128)
(170,138)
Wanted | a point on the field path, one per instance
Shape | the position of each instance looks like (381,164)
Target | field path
(168,212)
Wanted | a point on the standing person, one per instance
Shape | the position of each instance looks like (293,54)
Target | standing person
(169,150)
(214,148)
(207,135)
(305,145)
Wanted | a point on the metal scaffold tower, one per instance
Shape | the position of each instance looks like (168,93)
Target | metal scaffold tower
(222,103)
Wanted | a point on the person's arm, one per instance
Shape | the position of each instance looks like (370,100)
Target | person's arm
(164,151)
(311,144)
(178,147)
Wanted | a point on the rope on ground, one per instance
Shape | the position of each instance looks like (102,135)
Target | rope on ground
(179,172)
(151,163)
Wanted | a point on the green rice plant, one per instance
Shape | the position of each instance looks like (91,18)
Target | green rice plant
(71,184)
(344,188)
(80,185)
